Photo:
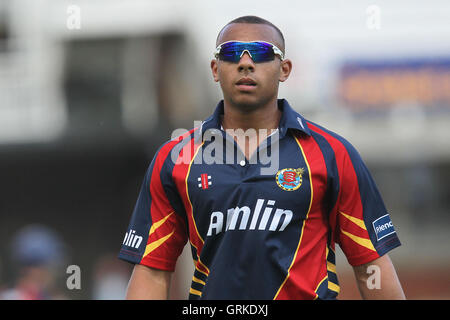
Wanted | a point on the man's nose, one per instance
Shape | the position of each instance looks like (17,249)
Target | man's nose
(246,62)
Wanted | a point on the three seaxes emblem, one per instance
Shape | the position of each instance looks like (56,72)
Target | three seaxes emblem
(289,179)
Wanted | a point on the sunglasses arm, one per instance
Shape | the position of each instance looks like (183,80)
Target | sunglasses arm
(277,51)
(217,51)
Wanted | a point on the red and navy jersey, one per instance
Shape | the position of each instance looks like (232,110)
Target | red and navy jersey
(255,235)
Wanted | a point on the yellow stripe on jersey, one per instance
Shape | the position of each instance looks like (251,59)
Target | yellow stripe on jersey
(195,279)
(304,221)
(187,193)
(361,241)
(155,244)
(159,223)
(321,281)
(196,292)
(325,278)
(359,222)
(333,286)
(331,267)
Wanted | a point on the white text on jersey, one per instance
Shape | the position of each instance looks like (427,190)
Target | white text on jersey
(233,214)
(132,240)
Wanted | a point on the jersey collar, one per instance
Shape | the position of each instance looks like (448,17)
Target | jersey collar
(290,119)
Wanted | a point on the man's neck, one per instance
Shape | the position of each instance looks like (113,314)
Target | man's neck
(266,117)
(256,125)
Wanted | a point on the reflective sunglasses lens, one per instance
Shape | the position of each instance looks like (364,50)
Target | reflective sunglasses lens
(259,51)
(230,52)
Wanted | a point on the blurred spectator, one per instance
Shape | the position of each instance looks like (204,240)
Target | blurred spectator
(37,254)
(110,278)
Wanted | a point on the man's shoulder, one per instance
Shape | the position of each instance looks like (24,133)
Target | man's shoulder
(172,149)
(337,142)
(179,138)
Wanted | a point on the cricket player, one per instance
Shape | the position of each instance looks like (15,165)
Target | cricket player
(262,194)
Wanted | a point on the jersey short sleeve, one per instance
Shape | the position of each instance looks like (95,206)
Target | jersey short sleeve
(364,229)
(156,234)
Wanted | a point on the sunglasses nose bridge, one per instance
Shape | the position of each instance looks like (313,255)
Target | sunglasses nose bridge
(242,54)
(245,50)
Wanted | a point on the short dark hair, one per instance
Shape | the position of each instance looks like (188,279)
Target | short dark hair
(254,20)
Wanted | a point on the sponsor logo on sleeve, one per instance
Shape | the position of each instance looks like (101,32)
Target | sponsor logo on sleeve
(132,239)
(383,227)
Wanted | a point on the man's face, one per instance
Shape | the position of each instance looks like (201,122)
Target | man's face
(266,75)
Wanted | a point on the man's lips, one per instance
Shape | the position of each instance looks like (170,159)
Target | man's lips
(246,84)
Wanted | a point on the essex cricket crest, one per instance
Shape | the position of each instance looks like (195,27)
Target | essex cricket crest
(289,179)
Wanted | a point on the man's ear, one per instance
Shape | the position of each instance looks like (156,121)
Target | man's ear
(285,70)
(214,70)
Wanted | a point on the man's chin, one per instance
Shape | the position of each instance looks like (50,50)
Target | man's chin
(247,103)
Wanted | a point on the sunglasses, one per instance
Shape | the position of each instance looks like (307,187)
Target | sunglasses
(259,51)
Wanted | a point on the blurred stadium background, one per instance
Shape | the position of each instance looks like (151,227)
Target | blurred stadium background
(89,90)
